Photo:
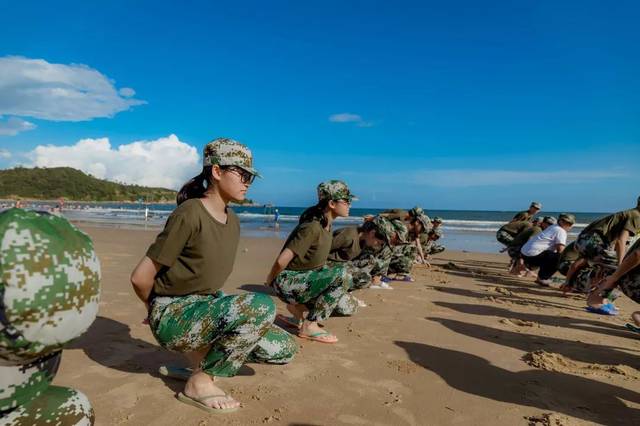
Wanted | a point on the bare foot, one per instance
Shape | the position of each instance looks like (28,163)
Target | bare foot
(200,387)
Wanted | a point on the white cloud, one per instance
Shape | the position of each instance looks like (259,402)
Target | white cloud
(165,162)
(58,92)
(471,178)
(347,117)
(14,125)
(4,154)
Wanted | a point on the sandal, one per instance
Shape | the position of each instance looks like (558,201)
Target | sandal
(318,337)
(632,327)
(606,309)
(201,405)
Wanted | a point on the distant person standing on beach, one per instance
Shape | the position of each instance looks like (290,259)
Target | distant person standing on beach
(276,219)
(180,280)
(300,275)
(544,249)
(527,215)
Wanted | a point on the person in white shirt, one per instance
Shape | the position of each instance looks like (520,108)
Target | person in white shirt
(544,249)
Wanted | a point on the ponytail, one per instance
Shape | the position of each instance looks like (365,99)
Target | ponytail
(195,187)
(316,213)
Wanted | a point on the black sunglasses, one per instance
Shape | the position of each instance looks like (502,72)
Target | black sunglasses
(245,177)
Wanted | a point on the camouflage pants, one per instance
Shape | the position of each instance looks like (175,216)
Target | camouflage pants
(591,245)
(402,260)
(319,289)
(630,285)
(432,248)
(583,279)
(235,328)
(27,397)
(504,237)
(378,260)
(360,271)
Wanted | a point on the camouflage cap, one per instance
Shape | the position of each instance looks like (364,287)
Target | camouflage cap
(227,152)
(401,230)
(49,284)
(536,205)
(419,214)
(334,190)
(437,232)
(437,219)
(536,219)
(414,212)
(550,220)
(385,228)
(567,217)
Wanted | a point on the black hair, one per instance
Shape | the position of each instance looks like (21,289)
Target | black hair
(316,213)
(195,187)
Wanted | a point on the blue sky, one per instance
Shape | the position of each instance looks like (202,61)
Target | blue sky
(464,105)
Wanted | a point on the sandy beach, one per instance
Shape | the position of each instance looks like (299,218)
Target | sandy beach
(465,344)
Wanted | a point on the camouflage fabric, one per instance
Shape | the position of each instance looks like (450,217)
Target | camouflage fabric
(319,289)
(591,245)
(227,152)
(334,190)
(385,228)
(583,280)
(504,237)
(402,259)
(236,327)
(49,292)
(419,214)
(401,230)
(380,259)
(437,220)
(49,284)
(630,285)
(431,247)
(27,397)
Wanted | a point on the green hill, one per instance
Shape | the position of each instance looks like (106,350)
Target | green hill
(72,184)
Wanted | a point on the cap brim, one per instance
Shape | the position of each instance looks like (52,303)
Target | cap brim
(251,170)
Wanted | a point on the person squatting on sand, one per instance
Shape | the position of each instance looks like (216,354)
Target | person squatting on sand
(537,225)
(300,275)
(519,222)
(180,278)
(606,238)
(627,278)
(354,247)
(543,250)
(49,294)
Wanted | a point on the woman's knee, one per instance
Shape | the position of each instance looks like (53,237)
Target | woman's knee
(264,306)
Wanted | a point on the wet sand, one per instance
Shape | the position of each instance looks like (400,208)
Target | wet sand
(465,344)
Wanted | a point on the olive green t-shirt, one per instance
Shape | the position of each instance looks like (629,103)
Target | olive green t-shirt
(525,234)
(311,244)
(611,226)
(522,216)
(195,250)
(345,244)
(514,228)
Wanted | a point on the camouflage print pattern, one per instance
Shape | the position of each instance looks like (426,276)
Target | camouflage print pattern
(334,190)
(583,280)
(504,237)
(401,230)
(235,328)
(380,259)
(419,214)
(49,284)
(385,228)
(227,152)
(402,259)
(319,289)
(591,245)
(431,247)
(49,293)
(630,285)
(27,397)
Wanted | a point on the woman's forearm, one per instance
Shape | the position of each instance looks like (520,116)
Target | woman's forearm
(142,278)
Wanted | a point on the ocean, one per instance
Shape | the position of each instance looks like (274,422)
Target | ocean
(468,230)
